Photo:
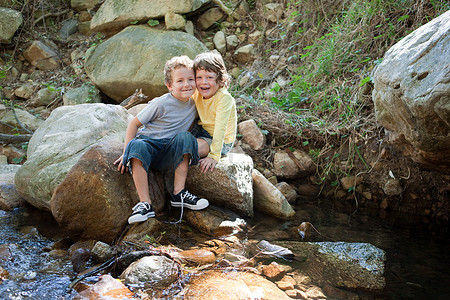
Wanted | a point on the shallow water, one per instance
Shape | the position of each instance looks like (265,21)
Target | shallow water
(417,252)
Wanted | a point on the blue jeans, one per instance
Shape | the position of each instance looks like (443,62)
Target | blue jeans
(161,154)
(199,132)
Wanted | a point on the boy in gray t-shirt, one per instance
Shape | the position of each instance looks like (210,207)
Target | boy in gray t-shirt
(164,143)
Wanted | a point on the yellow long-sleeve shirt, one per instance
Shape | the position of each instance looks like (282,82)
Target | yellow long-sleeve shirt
(218,117)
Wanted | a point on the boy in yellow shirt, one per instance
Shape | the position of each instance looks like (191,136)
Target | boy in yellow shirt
(216,129)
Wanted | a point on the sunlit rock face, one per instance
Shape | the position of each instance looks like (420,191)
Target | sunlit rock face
(412,93)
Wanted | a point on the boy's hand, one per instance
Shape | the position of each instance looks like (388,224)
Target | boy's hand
(207,164)
(121,168)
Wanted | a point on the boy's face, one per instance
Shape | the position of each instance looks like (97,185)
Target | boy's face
(183,84)
(206,83)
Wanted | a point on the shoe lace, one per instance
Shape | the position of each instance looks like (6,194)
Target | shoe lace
(183,196)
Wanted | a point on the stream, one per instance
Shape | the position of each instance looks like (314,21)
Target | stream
(417,252)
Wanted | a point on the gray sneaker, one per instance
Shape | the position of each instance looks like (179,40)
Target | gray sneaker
(188,200)
(141,212)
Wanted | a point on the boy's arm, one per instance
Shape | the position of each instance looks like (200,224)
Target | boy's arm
(223,112)
(132,128)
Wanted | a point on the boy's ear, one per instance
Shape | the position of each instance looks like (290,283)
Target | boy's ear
(169,86)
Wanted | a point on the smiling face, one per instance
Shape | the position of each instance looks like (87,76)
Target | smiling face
(206,83)
(182,86)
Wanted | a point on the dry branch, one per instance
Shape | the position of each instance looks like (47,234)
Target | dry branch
(51,15)
(11,138)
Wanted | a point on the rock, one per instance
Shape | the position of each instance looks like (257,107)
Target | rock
(81,5)
(411,91)
(245,54)
(251,134)
(229,185)
(151,271)
(24,91)
(28,120)
(288,192)
(101,252)
(273,271)
(118,74)
(68,27)
(10,21)
(232,42)
(106,288)
(174,21)
(285,166)
(79,254)
(214,220)
(392,187)
(308,191)
(3,160)
(115,15)
(81,95)
(60,141)
(141,230)
(286,283)
(197,256)
(347,265)
(268,199)
(210,17)
(315,292)
(41,56)
(350,182)
(189,27)
(234,285)
(220,43)
(273,12)
(9,197)
(254,37)
(3,274)
(45,96)
(102,204)
(84,28)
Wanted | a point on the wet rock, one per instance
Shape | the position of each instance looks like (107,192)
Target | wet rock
(411,91)
(268,199)
(9,197)
(118,74)
(106,288)
(231,179)
(101,252)
(41,56)
(285,166)
(79,254)
(197,256)
(10,21)
(127,259)
(3,274)
(350,181)
(140,230)
(52,152)
(214,220)
(340,264)
(231,285)
(5,253)
(252,135)
(288,192)
(151,271)
(101,207)
(273,271)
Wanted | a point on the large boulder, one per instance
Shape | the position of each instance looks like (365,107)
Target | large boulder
(114,15)
(9,198)
(358,266)
(94,200)
(229,185)
(58,144)
(411,93)
(10,21)
(134,59)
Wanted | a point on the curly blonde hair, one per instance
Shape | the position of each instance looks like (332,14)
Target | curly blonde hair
(213,62)
(174,63)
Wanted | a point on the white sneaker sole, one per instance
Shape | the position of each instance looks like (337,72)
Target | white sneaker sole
(199,206)
(140,218)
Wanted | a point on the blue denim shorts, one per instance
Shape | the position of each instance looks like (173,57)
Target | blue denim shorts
(161,154)
(199,132)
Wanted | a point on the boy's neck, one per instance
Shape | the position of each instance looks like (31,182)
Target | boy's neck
(182,100)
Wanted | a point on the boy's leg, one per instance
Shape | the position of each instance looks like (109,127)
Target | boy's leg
(140,178)
(180,175)
(203,147)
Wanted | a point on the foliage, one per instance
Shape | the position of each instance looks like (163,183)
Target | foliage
(331,49)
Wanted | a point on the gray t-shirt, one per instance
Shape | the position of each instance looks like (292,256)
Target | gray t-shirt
(165,116)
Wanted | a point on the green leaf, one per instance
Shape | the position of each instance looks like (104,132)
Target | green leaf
(152,22)
(134,22)
(404,17)
(365,80)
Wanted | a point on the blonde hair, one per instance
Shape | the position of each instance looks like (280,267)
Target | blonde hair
(174,63)
(213,62)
